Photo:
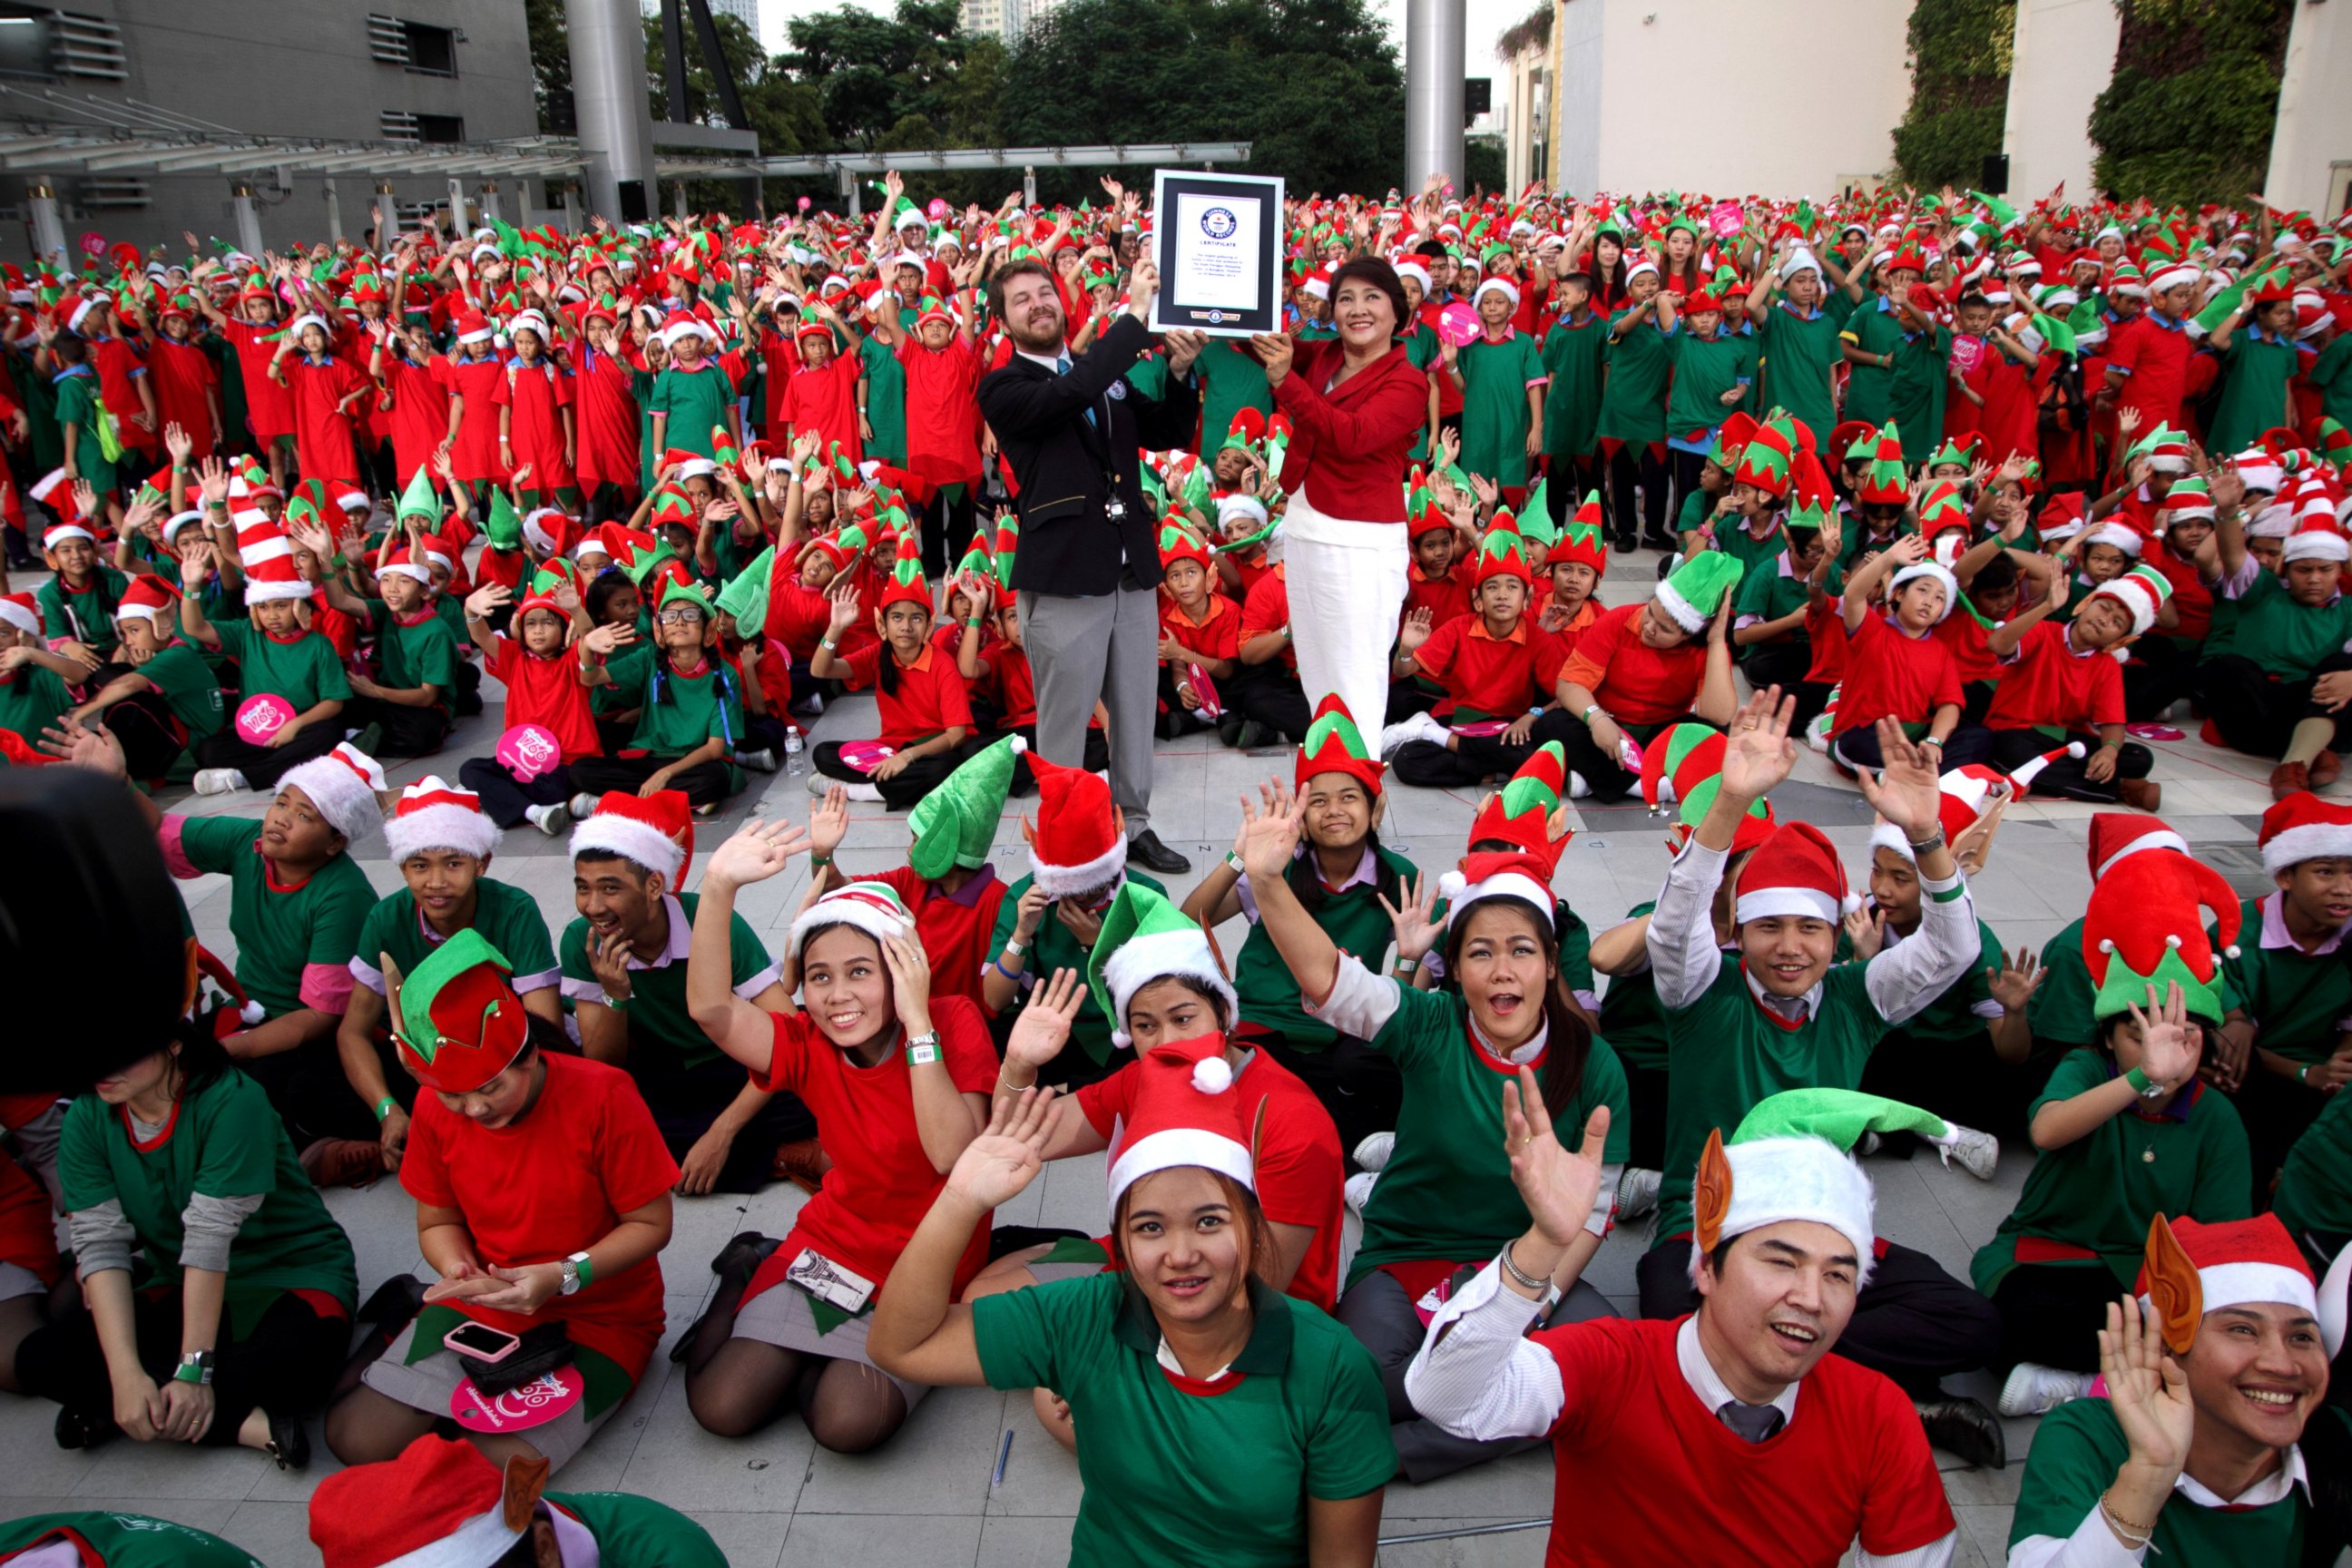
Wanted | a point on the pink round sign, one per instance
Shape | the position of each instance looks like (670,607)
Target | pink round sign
(93,244)
(938,209)
(534,1404)
(262,715)
(527,751)
(1458,324)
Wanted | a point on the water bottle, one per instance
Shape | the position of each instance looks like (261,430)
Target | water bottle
(792,760)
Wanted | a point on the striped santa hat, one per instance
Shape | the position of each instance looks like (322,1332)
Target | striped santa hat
(267,554)
(433,814)
(873,907)
(2144,591)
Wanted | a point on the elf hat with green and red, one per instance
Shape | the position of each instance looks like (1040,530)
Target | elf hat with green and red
(1333,744)
(456,1019)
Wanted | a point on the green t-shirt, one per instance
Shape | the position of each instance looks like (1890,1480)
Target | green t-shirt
(32,699)
(2060,1012)
(303,669)
(38,391)
(696,402)
(1578,359)
(1952,1016)
(630,668)
(88,616)
(1356,923)
(1631,1014)
(508,918)
(1446,1192)
(2294,997)
(1054,948)
(280,931)
(1725,1053)
(2330,376)
(1633,403)
(415,652)
(1704,369)
(1231,380)
(886,401)
(2101,1190)
(1179,1478)
(2315,1190)
(128,1540)
(687,710)
(1917,386)
(656,1014)
(1767,594)
(1875,328)
(186,681)
(2077,1450)
(1495,381)
(638,1532)
(1757,557)
(224,1141)
(2253,377)
(1798,354)
(77,406)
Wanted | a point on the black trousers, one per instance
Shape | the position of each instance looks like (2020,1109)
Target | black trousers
(910,783)
(505,798)
(2050,1313)
(1913,1322)
(1649,469)
(150,733)
(1858,747)
(286,1365)
(1608,777)
(1646,1093)
(407,732)
(1411,695)
(1964,1080)
(264,766)
(1470,760)
(1270,694)
(685,1101)
(1024,781)
(1685,466)
(2161,672)
(2276,1112)
(610,502)
(307,1087)
(2256,714)
(705,784)
(947,528)
(1570,479)
(1783,664)
(2013,748)
(1359,1086)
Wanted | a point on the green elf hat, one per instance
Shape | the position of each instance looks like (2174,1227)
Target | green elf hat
(1334,745)
(1791,1160)
(1884,480)
(503,528)
(1695,591)
(1955,451)
(676,592)
(420,499)
(2143,928)
(1684,764)
(1145,938)
(1535,525)
(723,450)
(457,1022)
(1277,443)
(1008,546)
(955,824)
(907,585)
(978,560)
(746,598)
(1501,553)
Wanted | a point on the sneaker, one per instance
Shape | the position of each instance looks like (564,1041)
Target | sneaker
(1420,727)
(863,790)
(582,805)
(762,760)
(1637,1192)
(1357,1190)
(1576,788)
(549,819)
(2034,1390)
(344,1162)
(218,781)
(820,782)
(1372,1153)
(707,808)
(801,1163)
(1253,735)
(1978,1154)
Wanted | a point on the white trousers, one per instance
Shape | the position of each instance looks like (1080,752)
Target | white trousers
(1347,582)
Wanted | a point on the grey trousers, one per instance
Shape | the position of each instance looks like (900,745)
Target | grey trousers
(1102,648)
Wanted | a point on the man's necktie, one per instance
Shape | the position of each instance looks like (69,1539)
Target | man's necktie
(1062,367)
(1754,1423)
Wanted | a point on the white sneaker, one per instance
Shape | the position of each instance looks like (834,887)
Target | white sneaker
(1357,1191)
(218,781)
(1576,788)
(582,804)
(1372,1153)
(2033,1390)
(1637,1192)
(762,760)
(1420,727)
(549,819)
(862,790)
(1978,1154)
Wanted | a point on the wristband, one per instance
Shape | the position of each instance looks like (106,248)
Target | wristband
(828,645)
(1015,947)
(817,860)
(1236,863)
(384,1108)
(998,965)
(923,1047)
(2303,1075)
(1524,1280)
(2139,1080)
(1934,740)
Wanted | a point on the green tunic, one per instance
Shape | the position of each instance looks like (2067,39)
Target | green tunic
(658,1018)
(77,406)
(638,1532)
(2060,1012)
(1633,404)
(87,616)
(280,931)
(303,669)
(2255,370)
(1231,380)
(186,681)
(2330,376)
(224,1141)
(127,1541)
(886,401)
(508,918)
(1495,381)
(1914,398)
(1875,328)
(2293,996)
(682,712)
(1356,924)
(2100,1191)
(1054,948)
(1704,369)
(39,396)
(696,402)
(1952,1016)
(1446,1192)
(1577,357)
(32,699)
(1190,1477)
(2315,1190)
(415,652)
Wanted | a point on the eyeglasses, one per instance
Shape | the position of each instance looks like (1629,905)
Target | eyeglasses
(678,617)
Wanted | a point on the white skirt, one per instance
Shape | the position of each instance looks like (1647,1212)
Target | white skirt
(1347,582)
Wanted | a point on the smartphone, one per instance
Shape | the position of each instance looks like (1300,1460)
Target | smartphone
(481,1341)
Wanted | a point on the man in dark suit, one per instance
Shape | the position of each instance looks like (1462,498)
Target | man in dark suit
(1087,569)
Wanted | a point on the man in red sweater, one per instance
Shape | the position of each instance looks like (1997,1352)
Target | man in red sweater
(1730,1434)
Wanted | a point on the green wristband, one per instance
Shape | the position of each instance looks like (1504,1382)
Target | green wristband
(2138,1080)
(385,1106)
(585,1266)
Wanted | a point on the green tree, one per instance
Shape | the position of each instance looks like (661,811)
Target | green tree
(1961,53)
(2189,115)
(550,56)
(783,110)
(871,72)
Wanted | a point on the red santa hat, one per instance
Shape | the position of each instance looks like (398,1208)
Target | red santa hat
(1795,871)
(679,325)
(403,564)
(2317,536)
(2304,828)
(1078,844)
(344,784)
(153,598)
(22,611)
(873,907)
(267,554)
(473,327)
(1970,794)
(433,814)
(441,1504)
(2189,1269)
(655,831)
(2115,834)
(1184,1113)
(2119,531)
(1317,283)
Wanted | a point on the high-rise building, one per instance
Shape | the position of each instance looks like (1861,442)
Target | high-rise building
(1002,18)
(744,11)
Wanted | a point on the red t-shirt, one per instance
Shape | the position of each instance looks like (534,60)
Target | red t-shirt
(1553,648)
(882,1184)
(2157,358)
(1010,684)
(475,454)
(1636,682)
(120,363)
(1643,1472)
(180,374)
(1300,1174)
(1218,635)
(322,427)
(2050,681)
(797,614)
(930,696)
(268,407)
(1971,652)
(955,927)
(1889,675)
(1484,677)
(1443,597)
(2192,601)
(823,403)
(547,691)
(547,1186)
(1267,609)
(942,410)
(605,419)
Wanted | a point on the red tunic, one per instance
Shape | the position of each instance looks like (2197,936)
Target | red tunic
(1892,675)
(475,382)
(181,374)
(1484,677)
(930,696)
(954,927)
(1443,597)
(269,407)
(942,410)
(823,402)
(2009,416)
(323,446)
(1011,684)
(2158,359)
(547,691)
(780,356)
(535,397)
(605,419)
(120,363)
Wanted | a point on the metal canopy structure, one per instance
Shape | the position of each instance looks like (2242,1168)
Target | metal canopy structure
(1134,153)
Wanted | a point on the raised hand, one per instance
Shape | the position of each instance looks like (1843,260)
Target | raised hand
(1042,1028)
(1906,791)
(997,1166)
(829,823)
(2168,1045)
(2147,1390)
(1557,1187)
(910,982)
(757,851)
(1411,918)
(1759,753)
(2014,983)
(1270,838)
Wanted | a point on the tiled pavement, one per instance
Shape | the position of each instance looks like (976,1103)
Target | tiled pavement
(927,1499)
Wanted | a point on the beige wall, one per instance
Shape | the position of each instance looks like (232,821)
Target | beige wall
(1522,128)
(2065,56)
(2311,152)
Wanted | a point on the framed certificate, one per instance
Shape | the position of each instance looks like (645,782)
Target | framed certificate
(1217,239)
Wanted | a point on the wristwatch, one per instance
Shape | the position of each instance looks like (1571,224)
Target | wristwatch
(196,1367)
(576,1271)
(923,1047)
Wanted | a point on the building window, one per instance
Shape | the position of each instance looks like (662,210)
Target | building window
(25,35)
(432,51)
(86,47)
(440,127)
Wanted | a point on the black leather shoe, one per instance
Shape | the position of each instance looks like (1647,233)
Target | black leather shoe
(1146,850)
(1964,1428)
(290,1441)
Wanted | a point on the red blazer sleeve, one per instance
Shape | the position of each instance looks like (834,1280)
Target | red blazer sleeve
(1385,416)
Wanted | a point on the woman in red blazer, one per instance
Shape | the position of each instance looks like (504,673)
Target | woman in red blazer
(1356,405)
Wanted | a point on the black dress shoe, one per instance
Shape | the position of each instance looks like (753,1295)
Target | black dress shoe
(1146,850)
(1964,1428)
(290,1441)
(393,1305)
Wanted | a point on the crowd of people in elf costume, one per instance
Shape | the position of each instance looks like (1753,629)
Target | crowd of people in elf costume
(1981,503)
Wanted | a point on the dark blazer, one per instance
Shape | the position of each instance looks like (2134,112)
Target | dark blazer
(1069,467)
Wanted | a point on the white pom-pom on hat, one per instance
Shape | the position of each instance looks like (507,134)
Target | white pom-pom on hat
(1213,1075)
(1018,746)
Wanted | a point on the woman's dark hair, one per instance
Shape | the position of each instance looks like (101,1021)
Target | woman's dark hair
(1377,272)
(1027,267)
(1258,1248)
(609,584)
(1215,999)
(1568,1030)
(1609,286)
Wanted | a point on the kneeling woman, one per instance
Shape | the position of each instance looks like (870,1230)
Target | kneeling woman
(898,1081)
(1217,1420)
(542,1199)
(246,1293)
(1445,1200)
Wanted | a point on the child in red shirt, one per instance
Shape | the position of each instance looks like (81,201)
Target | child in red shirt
(1895,666)
(547,685)
(1639,668)
(821,399)
(1574,567)
(1485,661)
(1198,630)
(2063,681)
(926,709)
(324,387)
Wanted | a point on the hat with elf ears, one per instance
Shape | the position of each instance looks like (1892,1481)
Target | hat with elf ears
(457,1021)
(2190,1269)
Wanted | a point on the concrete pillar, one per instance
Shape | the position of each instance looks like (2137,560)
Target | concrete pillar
(248,221)
(334,214)
(2065,54)
(387,216)
(41,213)
(1433,34)
(459,224)
(614,116)
(491,210)
(1029,184)
(572,223)
(678,202)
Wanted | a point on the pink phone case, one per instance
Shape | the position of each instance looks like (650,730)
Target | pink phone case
(449,1341)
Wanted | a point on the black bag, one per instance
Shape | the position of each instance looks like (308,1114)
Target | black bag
(543,1349)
